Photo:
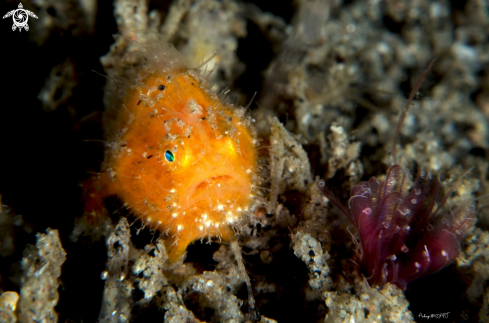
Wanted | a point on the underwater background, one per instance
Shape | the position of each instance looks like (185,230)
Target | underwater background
(330,78)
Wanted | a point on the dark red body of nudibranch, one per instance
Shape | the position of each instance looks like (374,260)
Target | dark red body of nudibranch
(403,235)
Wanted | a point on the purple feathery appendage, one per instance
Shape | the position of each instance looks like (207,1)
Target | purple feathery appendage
(402,233)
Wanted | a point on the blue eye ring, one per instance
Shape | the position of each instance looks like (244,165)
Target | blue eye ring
(169,156)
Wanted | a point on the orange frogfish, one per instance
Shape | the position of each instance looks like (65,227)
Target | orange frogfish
(177,156)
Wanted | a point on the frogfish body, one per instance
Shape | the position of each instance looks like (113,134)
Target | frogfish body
(178,157)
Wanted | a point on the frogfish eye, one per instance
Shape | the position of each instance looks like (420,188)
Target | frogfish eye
(169,156)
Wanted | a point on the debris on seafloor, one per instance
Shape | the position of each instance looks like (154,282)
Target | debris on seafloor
(8,304)
(214,292)
(116,304)
(11,225)
(149,271)
(290,168)
(368,304)
(173,287)
(149,277)
(39,288)
(58,16)
(58,87)
(309,250)
(182,26)
(343,154)
(216,41)
(473,262)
